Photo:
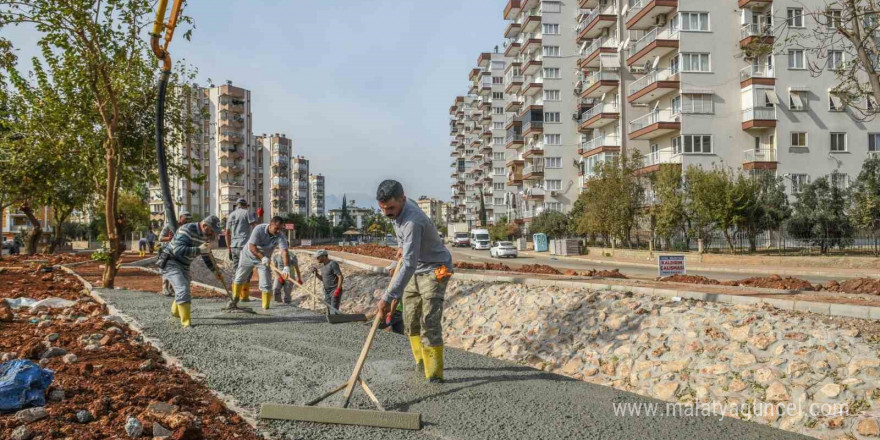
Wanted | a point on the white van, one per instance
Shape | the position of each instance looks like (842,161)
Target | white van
(480,239)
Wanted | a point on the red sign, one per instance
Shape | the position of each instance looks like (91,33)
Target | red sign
(289,226)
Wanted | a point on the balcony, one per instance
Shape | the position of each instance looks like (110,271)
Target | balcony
(600,82)
(232,105)
(590,55)
(755,33)
(533,66)
(756,75)
(656,43)
(533,120)
(599,145)
(598,20)
(514,140)
(655,159)
(513,50)
(513,160)
(513,30)
(484,60)
(535,193)
(534,86)
(234,138)
(532,22)
(486,149)
(654,124)
(599,116)
(514,84)
(643,13)
(533,171)
(512,121)
(759,118)
(512,9)
(514,105)
(588,4)
(532,150)
(515,178)
(653,86)
(754,4)
(763,158)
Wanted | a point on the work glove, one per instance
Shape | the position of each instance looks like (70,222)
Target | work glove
(338,292)
(280,280)
(299,280)
(286,272)
(205,249)
(265,261)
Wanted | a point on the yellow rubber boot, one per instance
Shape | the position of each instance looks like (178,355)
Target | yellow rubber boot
(174,309)
(244,293)
(236,289)
(433,363)
(267,299)
(184,310)
(415,342)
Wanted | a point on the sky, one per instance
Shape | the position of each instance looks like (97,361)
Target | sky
(362,87)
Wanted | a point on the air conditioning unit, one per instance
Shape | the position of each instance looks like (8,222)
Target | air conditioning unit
(638,69)
(575,116)
(554,193)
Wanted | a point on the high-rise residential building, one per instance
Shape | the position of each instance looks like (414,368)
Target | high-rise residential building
(541,123)
(276,150)
(316,195)
(299,168)
(464,132)
(236,160)
(433,208)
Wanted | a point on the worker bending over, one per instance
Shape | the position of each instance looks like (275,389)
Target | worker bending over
(142,247)
(165,236)
(279,286)
(425,268)
(190,241)
(238,231)
(264,239)
(331,275)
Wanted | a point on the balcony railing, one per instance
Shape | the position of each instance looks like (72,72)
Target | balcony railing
(755,30)
(764,154)
(599,43)
(753,71)
(598,109)
(600,75)
(601,141)
(651,78)
(759,113)
(651,118)
(664,33)
(607,10)
(636,6)
(660,157)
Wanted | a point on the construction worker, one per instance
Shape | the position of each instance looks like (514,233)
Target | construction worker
(425,269)
(190,241)
(142,246)
(151,240)
(262,242)
(165,236)
(279,286)
(331,275)
(238,231)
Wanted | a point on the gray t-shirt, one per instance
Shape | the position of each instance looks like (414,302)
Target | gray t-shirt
(239,225)
(330,272)
(264,241)
(278,260)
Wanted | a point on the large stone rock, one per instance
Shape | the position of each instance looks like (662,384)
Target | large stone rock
(776,392)
(53,352)
(133,427)
(868,427)
(831,390)
(31,415)
(572,367)
(740,334)
(742,359)
(665,391)
(763,340)
(22,432)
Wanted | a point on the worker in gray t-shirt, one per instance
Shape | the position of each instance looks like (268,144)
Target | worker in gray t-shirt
(331,275)
(264,240)
(238,231)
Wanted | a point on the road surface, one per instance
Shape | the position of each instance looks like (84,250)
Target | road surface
(647,273)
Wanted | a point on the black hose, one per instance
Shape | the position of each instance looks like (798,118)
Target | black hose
(170,215)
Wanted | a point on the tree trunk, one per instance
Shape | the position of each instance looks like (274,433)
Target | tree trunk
(36,232)
(111,194)
(729,239)
(59,231)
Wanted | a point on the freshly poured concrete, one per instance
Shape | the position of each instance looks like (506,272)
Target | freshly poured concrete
(290,356)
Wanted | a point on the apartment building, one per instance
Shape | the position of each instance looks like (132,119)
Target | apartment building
(542,110)
(276,151)
(316,195)
(14,222)
(462,130)
(433,208)
(299,168)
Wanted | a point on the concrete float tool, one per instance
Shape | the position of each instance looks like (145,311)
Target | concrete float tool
(346,415)
(215,269)
(334,316)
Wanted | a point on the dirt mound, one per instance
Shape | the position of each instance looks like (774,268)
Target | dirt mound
(44,259)
(615,273)
(484,266)
(870,286)
(538,268)
(369,250)
(773,282)
(691,279)
(114,374)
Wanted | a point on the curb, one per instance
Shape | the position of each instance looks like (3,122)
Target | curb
(172,361)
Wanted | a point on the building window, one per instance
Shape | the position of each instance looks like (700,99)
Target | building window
(798,139)
(551,7)
(552,185)
(498,110)
(795,17)
(551,95)
(797,101)
(497,95)
(497,80)
(834,18)
(796,59)
(498,155)
(550,29)
(551,51)
(553,162)
(550,117)
(695,62)
(838,142)
(552,73)
(498,141)
(498,186)
(835,59)
(498,201)
(676,105)
(552,139)
(553,206)
(835,104)
(696,103)
(498,65)
(798,181)
(498,125)
(839,180)
(696,144)
(499,171)
(694,21)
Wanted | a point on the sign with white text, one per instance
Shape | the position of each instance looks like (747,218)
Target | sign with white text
(671,265)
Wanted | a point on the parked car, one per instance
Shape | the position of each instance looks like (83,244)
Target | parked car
(503,249)
(461,239)
(480,239)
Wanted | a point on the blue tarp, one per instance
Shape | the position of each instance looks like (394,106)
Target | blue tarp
(22,384)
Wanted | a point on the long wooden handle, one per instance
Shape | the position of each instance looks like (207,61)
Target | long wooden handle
(355,375)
